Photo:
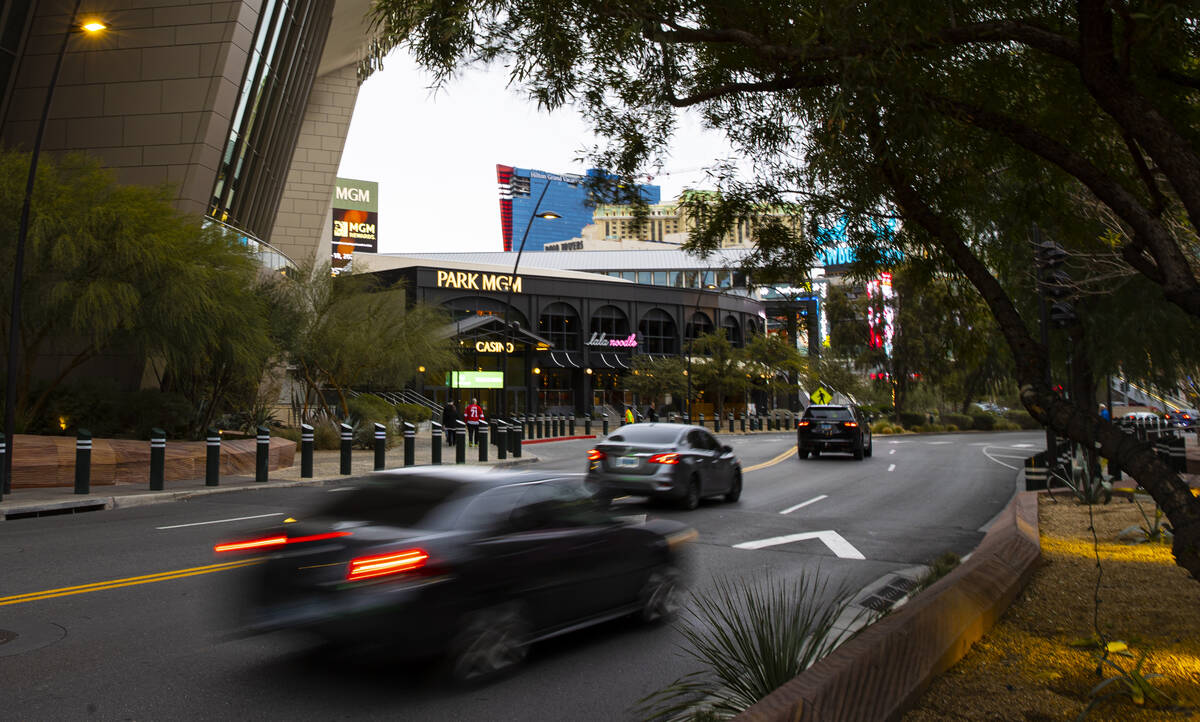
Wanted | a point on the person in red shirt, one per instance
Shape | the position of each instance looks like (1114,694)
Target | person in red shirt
(474,415)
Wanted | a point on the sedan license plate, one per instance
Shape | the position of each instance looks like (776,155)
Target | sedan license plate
(627,462)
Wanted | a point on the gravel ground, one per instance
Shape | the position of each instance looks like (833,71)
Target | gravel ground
(1040,662)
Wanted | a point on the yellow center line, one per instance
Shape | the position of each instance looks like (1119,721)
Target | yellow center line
(772,462)
(126,582)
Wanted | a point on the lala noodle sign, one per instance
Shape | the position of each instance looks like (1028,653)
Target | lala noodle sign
(602,339)
(478,281)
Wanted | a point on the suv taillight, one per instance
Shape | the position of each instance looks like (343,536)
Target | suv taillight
(850,424)
(383,565)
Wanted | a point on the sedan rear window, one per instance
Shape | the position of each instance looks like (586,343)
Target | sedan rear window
(412,502)
(834,413)
(648,434)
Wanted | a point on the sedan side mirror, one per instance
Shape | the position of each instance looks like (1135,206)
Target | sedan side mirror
(726,448)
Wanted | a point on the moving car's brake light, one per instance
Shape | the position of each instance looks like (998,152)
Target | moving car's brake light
(271,542)
(802,423)
(382,565)
(850,424)
(664,459)
(596,455)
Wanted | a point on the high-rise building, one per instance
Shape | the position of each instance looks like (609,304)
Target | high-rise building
(241,105)
(524,193)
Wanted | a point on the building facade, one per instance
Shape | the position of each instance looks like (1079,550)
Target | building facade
(525,193)
(241,106)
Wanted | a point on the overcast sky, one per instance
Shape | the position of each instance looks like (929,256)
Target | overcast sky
(435,156)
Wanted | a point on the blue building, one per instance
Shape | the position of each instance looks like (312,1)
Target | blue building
(566,195)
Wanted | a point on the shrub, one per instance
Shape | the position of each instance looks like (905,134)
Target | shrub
(1021,418)
(1006,425)
(883,426)
(413,413)
(287,433)
(368,408)
(911,420)
(983,421)
(364,434)
(960,421)
(327,436)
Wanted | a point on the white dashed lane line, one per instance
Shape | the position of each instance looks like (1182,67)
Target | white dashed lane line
(892,451)
(892,467)
(803,504)
(219,521)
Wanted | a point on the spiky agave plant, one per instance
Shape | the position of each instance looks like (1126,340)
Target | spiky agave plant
(751,637)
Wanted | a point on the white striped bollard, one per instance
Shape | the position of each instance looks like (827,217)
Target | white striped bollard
(212,459)
(306,451)
(83,461)
(158,458)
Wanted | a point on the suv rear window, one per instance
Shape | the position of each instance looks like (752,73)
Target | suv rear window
(648,434)
(835,413)
(413,502)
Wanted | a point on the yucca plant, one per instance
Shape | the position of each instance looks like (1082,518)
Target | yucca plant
(750,637)
(1132,682)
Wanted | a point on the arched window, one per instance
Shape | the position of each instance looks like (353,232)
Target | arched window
(699,325)
(659,334)
(469,306)
(733,331)
(559,324)
(752,328)
(610,321)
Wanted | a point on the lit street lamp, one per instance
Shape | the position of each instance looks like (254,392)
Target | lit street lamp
(548,215)
(14,322)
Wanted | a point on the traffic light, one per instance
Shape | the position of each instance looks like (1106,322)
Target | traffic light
(1055,283)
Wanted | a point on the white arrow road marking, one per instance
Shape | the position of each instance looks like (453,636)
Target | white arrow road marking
(892,467)
(219,521)
(803,504)
(830,538)
(1021,446)
(892,451)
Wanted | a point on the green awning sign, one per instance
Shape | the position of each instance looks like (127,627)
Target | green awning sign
(475,379)
(820,396)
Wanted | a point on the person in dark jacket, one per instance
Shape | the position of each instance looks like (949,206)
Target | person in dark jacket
(450,420)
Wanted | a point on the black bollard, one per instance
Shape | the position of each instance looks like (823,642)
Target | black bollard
(481,440)
(347,439)
(541,424)
(158,458)
(460,443)
(604,424)
(701,419)
(410,444)
(435,450)
(587,424)
(729,418)
(571,425)
(518,439)
(262,452)
(514,433)
(381,446)
(306,451)
(212,462)
(716,423)
(530,422)
(83,461)
(501,441)
(4,485)
(742,419)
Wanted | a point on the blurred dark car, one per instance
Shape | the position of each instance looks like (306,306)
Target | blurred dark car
(470,567)
(666,461)
(1183,418)
(842,428)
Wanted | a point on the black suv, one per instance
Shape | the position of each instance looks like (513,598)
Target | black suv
(843,428)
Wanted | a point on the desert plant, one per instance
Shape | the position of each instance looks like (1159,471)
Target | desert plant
(1154,530)
(413,413)
(288,433)
(1021,418)
(327,436)
(750,637)
(938,568)
(959,421)
(911,420)
(1131,682)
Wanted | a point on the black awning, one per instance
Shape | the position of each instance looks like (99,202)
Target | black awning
(562,360)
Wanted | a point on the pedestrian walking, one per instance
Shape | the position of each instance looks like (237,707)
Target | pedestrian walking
(450,420)
(474,415)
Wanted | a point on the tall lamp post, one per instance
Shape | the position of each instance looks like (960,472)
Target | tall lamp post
(548,215)
(14,320)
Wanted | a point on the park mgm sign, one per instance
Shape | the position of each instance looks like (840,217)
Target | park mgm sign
(468,280)
(355,221)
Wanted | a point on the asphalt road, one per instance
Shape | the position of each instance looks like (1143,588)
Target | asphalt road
(119,614)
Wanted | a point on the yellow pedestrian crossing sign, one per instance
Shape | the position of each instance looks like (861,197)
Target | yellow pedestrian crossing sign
(820,396)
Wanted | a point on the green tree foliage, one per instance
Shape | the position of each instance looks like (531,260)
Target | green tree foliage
(721,372)
(652,379)
(353,331)
(775,366)
(967,121)
(115,270)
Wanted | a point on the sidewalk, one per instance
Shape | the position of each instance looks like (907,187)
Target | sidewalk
(28,502)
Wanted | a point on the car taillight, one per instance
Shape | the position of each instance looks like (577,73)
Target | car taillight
(802,423)
(596,455)
(664,459)
(382,565)
(850,424)
(278,540)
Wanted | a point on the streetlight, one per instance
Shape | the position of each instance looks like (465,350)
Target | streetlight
(548,215)
(14,321)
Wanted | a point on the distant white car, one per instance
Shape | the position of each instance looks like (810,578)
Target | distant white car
(1142,416)
(992,408)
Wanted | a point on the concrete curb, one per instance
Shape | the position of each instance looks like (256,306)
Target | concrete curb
(883,671)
